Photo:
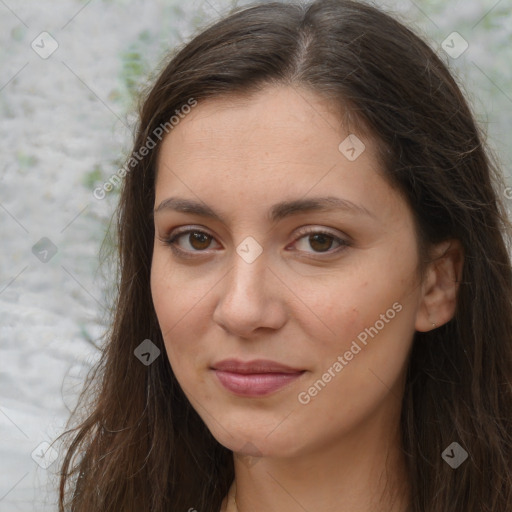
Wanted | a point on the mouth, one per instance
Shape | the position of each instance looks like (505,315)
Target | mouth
(254,378)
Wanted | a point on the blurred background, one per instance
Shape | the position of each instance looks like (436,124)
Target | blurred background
(70,74)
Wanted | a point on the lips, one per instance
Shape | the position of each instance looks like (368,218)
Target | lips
(254,366)
(254,378)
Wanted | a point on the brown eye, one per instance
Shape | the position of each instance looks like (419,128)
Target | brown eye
(190,241)
(321,242)
(318,242)
(199,240)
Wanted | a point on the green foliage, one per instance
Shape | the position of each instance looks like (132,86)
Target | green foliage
(94,176)
(135,68)
(25,161)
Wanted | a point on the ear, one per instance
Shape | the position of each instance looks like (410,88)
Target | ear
(440,286)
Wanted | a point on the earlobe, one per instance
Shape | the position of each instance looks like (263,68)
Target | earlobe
(440,286)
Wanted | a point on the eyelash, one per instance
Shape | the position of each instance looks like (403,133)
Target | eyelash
(171,241)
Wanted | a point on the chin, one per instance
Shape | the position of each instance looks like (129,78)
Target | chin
(256,441)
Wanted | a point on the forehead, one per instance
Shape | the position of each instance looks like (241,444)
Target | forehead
(273,118)
(279,143)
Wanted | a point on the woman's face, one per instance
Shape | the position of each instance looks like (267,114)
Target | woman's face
(282,242)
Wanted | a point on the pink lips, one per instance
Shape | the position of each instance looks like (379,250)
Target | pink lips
(254,378)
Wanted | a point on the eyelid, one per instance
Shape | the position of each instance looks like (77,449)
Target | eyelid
(312,230)
(188,229)
(343,240)
(170,239)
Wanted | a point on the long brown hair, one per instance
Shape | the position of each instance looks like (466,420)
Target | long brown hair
(142,446)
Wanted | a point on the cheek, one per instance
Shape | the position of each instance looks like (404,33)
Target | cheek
(179,301)
(359,368)
(177,292)
(341,306)
(370,306)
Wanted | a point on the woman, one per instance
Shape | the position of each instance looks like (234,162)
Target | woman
(314,300)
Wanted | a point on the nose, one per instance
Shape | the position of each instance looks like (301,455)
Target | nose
(251,299)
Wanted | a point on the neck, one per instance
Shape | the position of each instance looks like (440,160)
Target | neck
(359,473)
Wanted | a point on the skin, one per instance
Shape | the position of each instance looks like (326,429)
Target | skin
(295,303)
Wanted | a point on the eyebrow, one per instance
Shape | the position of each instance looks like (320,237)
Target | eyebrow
(277,212)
